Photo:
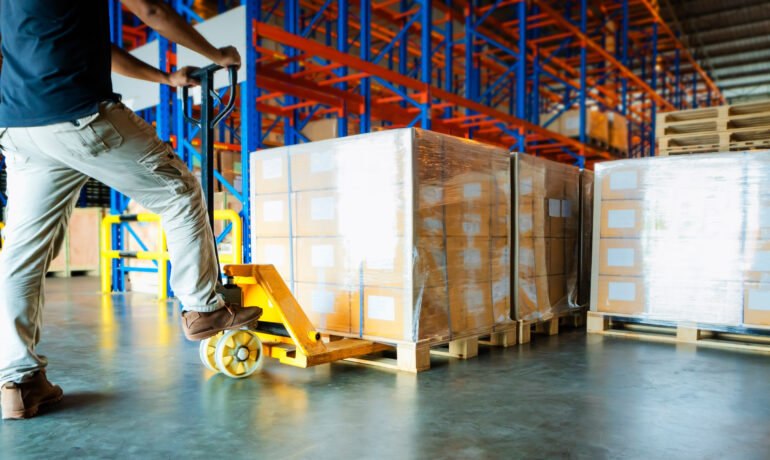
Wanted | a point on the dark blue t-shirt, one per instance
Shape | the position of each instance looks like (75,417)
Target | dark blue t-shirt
(56,60)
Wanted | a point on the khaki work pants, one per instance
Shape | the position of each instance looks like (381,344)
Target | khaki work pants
(47,166)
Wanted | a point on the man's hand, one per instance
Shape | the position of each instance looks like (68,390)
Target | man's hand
(230,57)
(182,77)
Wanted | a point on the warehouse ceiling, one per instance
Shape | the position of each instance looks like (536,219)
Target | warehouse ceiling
(730,39)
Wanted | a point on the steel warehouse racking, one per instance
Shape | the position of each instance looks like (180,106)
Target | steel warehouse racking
(498,71)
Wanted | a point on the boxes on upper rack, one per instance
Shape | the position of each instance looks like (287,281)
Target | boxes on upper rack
(546,203)
(681,239)
(597,127)
(618,128)
(399,235)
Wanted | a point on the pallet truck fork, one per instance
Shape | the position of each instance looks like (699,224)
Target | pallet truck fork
(283,332)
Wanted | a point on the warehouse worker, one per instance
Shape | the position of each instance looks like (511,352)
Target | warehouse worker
(60,124)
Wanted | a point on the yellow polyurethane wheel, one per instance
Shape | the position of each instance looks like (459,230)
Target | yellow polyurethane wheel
(206,351)
(239,353)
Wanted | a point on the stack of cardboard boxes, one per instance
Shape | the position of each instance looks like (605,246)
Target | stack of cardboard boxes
(547,203)
(396,235)
(681,239)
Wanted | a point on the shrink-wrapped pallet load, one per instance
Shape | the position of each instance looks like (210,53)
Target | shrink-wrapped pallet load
(546,203)
(684,239)
(399,235)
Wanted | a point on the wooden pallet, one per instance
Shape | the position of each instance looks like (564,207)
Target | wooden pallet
(415,357)
(615,326)
(551,325)
(724,112)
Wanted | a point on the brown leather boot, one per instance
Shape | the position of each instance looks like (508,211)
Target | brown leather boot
(23,400)
(200,326)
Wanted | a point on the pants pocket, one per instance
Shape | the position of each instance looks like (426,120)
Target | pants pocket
(169,170)
(89,136)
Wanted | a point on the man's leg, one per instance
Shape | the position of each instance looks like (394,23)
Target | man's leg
(41,195)
(121,150)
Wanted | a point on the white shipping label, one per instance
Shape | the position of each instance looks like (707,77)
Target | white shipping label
(526,257)
(759,300)
(321,162)
(471,228)
(275,254)
(764,277)
(501,290)
(525,223)
(525,186)
(620,257)
(472,190)
(474,301)
(761,261)
(472,259)
(566,208)
(554,207)
(322,301)
(622,291)
(573,123)
(381,307)
(322,208)
(621,218)
(430,223)
(322,256)
(381,262)
(272,211)
(272,168)
(431,195)
(623,180)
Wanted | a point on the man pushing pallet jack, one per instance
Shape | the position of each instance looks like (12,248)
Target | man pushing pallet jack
(61,123)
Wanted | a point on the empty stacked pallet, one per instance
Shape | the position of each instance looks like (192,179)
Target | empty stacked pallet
(547,241)
(727,128)
(399,236)
(683,242)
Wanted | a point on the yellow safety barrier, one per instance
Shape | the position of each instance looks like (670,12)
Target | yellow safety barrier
(2,241)
(108,253)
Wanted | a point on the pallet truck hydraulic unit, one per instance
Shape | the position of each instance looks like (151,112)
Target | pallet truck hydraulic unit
(284,332)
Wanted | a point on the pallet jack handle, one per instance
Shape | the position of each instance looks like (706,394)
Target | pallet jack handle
(207,122)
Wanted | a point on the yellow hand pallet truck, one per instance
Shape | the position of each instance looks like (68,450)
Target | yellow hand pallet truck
(283,332)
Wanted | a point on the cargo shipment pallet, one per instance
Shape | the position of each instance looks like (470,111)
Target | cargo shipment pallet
(742,115)
(724,140)
(415,356)
(550,326)
(754,339)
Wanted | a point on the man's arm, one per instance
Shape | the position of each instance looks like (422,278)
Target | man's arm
(128,65)
(163,19)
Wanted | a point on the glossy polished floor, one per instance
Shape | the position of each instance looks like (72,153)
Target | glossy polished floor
(135,388)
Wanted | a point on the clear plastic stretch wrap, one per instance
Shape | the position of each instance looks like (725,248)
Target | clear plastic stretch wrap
(547,238)
(396,235)
(684,238)
(586,238)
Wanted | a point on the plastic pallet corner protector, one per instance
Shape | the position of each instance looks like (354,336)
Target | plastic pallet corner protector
(683,239)
(546,203)
(398,235)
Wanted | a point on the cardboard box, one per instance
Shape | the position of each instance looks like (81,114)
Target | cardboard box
(758,220)
(618,131)
(271,215)
(468,260)
(270,173)
(325,261)
(501,280)
(623,183)
(597,126)
(314,171)
(329,307)
(622,218)
(383,313)
(468,219)
(621,294)
(317,213)
(756,307)
(621,257)
(384,264)
(431,263)
(277,251)
(471,305)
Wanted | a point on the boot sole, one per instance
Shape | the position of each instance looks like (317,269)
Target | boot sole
(211,333)
(32,411)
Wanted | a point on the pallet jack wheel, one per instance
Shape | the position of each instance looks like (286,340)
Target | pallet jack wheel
(238,353)
(206,351)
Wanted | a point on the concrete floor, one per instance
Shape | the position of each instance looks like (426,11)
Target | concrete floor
(135,388)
